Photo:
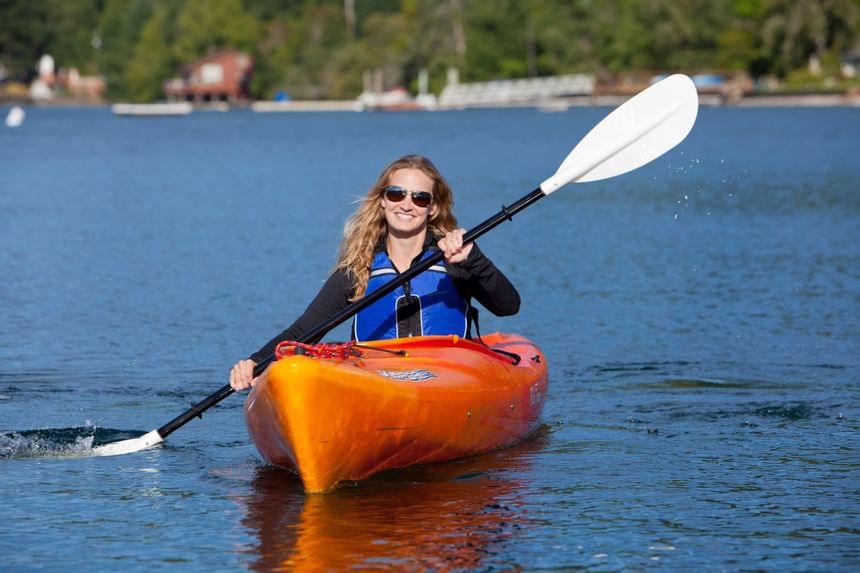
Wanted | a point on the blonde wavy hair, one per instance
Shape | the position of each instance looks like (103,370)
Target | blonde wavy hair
(366,228)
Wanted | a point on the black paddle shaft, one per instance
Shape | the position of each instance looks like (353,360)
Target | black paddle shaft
(506,214)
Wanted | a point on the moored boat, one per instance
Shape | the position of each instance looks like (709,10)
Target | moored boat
(151,109)
(15,117)
(396,403)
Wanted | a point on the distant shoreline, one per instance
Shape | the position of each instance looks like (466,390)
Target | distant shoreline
(845,99)
(800,100)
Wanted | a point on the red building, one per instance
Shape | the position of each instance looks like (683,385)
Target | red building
(220,77)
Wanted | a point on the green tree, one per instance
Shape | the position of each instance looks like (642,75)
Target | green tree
(738,42)
(304,60)
(29,30)
(24,35)
(563,39)
(203,26)
(152,62)
(799,34)
(73,28)
(323,48)
(119,28)
(621,39)
(496,40)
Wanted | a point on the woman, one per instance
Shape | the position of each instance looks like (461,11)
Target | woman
(397,223)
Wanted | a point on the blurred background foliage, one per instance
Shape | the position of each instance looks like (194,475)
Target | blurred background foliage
(323,48)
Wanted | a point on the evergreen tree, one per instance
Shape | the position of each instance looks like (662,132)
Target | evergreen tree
(119,28)
(152,62)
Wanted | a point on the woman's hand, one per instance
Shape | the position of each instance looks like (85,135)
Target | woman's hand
(242,375)
(452,245)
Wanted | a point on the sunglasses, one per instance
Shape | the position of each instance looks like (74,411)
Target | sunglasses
(396,194)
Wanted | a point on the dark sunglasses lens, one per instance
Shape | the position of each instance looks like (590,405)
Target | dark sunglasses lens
(421,198)
(395,194)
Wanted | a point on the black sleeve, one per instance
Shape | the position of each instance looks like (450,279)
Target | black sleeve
(479,278)
(332,298)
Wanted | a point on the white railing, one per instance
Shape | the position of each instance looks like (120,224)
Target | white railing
(516,92)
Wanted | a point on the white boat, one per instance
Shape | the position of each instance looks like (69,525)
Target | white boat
(553,105)
(306,105)
(15,117)
(148,109)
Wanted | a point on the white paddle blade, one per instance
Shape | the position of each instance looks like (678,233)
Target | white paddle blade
(639,131)
(144,442)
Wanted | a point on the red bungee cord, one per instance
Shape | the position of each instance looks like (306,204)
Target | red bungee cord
(327,351)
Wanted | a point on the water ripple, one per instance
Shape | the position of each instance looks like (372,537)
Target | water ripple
(58,442)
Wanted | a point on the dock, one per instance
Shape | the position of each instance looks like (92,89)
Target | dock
(151,109)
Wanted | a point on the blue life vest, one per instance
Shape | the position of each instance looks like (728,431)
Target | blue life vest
(428,304)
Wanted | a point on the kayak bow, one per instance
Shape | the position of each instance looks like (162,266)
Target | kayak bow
(445,398)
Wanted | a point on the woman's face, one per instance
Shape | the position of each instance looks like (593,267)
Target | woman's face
(404,217)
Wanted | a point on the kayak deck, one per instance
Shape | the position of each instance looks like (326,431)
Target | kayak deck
(447,397)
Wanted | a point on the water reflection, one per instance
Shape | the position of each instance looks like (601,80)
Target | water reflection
(459,515)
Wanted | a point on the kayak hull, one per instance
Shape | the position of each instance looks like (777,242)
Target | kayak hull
(345,420)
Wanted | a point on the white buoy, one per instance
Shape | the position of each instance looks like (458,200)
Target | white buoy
(15,117)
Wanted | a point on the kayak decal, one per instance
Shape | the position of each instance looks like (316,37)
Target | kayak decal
(416,375)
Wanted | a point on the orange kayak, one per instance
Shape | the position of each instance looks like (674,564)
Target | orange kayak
(442,397)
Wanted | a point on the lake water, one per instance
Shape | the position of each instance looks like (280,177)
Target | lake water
(699,316)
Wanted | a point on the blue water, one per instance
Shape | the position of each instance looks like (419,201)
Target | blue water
(699,315)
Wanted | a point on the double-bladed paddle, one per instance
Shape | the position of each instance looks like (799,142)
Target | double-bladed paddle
(637,132)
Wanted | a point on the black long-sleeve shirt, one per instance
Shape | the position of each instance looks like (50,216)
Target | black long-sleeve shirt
(476,277)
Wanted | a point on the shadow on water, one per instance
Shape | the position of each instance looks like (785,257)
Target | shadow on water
(458,515)
(58,442)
